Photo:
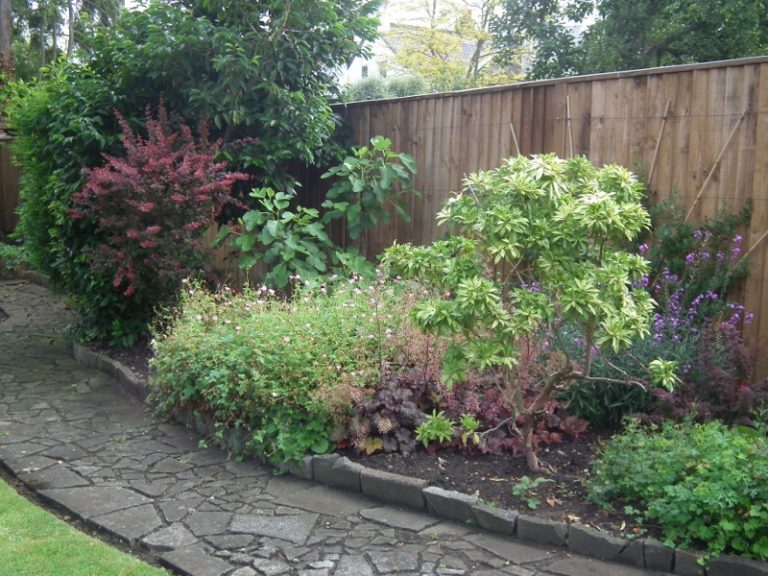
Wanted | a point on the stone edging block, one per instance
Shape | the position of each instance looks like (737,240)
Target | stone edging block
(590,542)
(541,530)
(736,566)
(393,488)
(131,383)
(302,469)
(341,472)
(686,564)
(346,474)
(498,520)
(450,504)
(658,557)
(322,468)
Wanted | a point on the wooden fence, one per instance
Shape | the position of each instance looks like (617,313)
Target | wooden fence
(699,132)
(9,191)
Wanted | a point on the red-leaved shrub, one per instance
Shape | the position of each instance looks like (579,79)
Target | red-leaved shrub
(150,210)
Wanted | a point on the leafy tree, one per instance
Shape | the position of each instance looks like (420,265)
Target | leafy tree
(436,51)
(44,29)
(538,257)
(6,37)
(631,34)
(628,34)
(520,25)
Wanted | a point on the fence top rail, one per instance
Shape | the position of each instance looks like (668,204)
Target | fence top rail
(676,69)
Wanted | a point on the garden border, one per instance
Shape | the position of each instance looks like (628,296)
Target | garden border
(339,472)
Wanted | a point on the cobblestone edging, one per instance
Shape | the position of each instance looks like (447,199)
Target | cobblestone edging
(339,472)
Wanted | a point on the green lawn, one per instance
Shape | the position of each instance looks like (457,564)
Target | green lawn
(34,542)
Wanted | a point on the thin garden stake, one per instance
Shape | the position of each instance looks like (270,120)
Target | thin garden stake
(715,166)
(658,143)
(569,125)
(755,245)
(514,137)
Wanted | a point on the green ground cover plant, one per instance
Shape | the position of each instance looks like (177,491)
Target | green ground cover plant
(704,484)
(285,371)
(36,543)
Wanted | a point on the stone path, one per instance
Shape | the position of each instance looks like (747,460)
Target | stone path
(73,436)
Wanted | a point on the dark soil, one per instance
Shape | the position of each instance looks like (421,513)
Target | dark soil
(560,495)
(135,357)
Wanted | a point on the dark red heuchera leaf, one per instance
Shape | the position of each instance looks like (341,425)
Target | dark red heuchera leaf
(152,206)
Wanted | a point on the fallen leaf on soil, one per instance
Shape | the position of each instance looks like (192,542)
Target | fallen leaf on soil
(573,518)
(499,479)
(552,502)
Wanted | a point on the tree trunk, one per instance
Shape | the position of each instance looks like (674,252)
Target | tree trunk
(71,39)
(530,454)
(6,37)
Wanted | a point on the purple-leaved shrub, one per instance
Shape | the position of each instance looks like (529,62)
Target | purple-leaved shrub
(150,210)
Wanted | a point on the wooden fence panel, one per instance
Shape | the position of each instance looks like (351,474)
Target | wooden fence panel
(701,129)
(9,191)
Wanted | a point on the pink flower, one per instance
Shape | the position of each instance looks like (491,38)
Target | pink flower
(153,230)
(133,234)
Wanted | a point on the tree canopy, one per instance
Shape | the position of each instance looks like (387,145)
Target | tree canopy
(628,34)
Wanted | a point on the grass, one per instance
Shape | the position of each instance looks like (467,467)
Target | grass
(34,542)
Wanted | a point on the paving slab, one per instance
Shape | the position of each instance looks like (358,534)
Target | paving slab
(130,524)
(399,517)
(194,561)
(91,501)
(327,501)
(294,528)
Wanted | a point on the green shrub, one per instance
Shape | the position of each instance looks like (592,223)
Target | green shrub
(367,89)
(704,484)
(286,372)
(408,85)
(12,257)
(291,239)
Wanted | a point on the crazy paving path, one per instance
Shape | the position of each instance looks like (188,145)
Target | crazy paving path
(77,439)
